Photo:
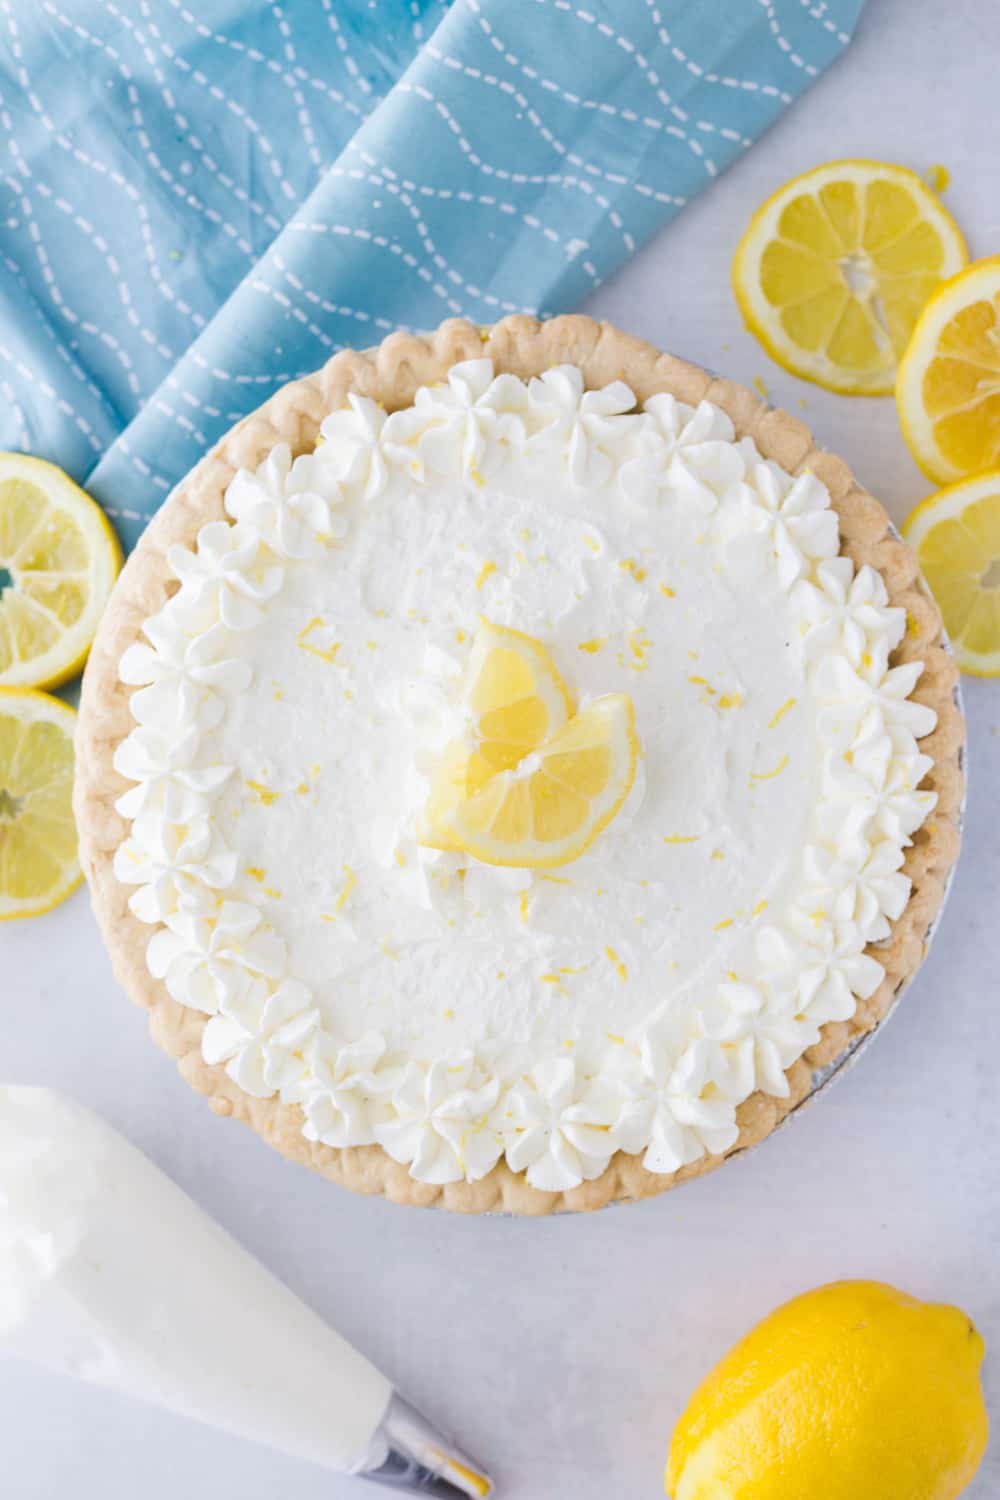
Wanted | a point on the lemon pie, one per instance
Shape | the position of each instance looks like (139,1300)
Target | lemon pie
(511,763)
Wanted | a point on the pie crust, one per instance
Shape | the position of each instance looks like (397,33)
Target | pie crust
(391,374)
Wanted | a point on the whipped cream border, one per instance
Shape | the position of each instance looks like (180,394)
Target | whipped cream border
(672,1090)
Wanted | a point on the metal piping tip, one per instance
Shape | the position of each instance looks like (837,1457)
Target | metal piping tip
(408,1453)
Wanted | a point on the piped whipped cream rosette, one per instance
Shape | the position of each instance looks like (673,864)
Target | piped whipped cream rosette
(296,698)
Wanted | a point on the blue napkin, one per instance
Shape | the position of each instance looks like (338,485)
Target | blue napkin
(205,200)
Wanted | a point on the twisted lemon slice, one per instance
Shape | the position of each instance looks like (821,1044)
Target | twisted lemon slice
(534,783)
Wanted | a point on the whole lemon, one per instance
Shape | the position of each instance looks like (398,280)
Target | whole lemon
(851,1392)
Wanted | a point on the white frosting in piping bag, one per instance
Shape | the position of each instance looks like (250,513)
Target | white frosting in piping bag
(109,1272)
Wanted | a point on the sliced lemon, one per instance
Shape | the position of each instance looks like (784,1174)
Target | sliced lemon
(956,536)
(59,557)
(548,809)
(515,694)
(515,697)
(948,390)
(835,267)
(38,858)
(531,783)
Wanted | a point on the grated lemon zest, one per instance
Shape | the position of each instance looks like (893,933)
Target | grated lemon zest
(770,775)
(785,708)
(348,886)
(325,653)
(620,968)
(264,793)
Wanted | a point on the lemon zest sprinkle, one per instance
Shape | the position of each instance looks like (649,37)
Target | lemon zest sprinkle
(620,968)
(937,177)
(268,890)
(593,646)
(264,793)
(717,854)
(761,906)
(629,565)
(325,653)
(348,886)
(639,643)
(667,591)
(726,922)
(303,788)
(730,700)
(400,858)
(785,708)
(681,838)
(619,1040)
(556,879)
(758,381)
(770,775)
(523,906)
(488,567)
(256,872)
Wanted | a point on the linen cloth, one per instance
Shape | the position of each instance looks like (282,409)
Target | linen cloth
(204,200)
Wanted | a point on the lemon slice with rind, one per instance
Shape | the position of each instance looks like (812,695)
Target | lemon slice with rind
(835,267)
(58,560)
(956,536)
(549,808)
(515,697)
(515,694)
(38,847)
(948,391)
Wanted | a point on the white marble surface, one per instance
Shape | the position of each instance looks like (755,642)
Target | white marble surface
(563,1350)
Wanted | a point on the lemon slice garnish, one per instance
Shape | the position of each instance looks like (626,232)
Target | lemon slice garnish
(58,560)
(948,391)
(534,783)
(38,857)
(956,536)
(835,267)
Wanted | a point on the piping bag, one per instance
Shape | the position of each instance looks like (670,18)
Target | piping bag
(108,1271)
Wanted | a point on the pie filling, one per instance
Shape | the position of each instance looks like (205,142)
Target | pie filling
(520,776)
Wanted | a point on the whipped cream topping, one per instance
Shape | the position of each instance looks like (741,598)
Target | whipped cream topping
(291,699)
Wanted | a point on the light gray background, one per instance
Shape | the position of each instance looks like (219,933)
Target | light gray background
(564,1350)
